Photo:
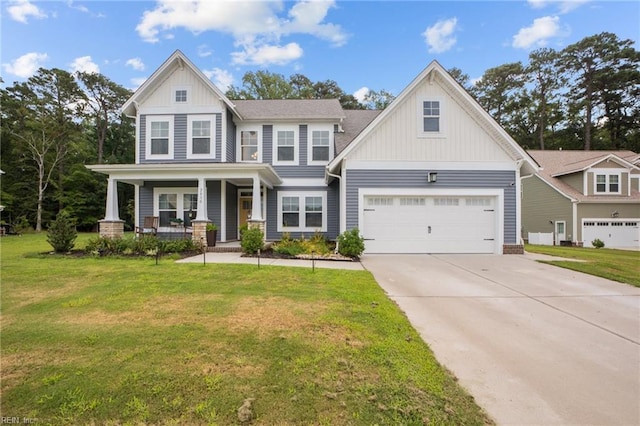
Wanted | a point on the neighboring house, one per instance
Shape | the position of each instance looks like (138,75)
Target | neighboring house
(432,173)
(583,195)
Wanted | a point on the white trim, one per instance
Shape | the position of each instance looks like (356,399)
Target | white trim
(158,119)
(556,240)
(180,192)
(169,109)
(212,136)
(303,182)
(442,132)
(519,195)
(301,195)
(296,144)
(574,214)
(324,128)
(239,131)
(607,173)
(136,205)
(223,138)
(429,192)
(430,165)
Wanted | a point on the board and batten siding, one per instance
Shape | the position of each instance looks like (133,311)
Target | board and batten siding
(454,179)
(299,171)
(333,211)
(180,139)
(396,137)
(542,206)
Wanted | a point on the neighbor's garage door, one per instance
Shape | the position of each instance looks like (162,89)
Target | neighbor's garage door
(615,233)
(421,224)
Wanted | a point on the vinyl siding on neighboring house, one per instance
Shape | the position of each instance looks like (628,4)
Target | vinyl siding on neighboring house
(575,180)
(542,205)
(454,179)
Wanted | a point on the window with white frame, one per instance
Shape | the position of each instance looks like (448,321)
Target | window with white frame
(320,148)
(249,145)
(200,131)
(159,137)
(285,147)
(180,94)
(304,212)
(430,122)
(171,204)
(607,183)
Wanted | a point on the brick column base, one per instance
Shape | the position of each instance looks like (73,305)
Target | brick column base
(199,232)
(260,224)
(512,249)
(111,228)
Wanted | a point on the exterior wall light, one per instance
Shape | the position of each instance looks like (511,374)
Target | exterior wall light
(432,176)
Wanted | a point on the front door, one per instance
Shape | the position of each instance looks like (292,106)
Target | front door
(244,207)
(561,232)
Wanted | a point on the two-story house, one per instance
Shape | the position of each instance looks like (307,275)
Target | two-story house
(432,173)
(583,195)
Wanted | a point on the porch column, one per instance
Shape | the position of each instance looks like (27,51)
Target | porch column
(199,224)
(256,210)
(111,226)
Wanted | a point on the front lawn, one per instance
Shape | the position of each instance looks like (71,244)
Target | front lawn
(618,265)
(90,340)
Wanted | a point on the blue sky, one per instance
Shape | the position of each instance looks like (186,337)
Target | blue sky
(359,44)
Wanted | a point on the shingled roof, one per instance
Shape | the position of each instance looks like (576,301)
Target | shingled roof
(282,109)
(355,121)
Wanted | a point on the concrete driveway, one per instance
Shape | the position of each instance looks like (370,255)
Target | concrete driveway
(533,343)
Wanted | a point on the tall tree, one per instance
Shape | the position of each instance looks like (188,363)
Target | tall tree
(498,90)
(458,75)
(103,99)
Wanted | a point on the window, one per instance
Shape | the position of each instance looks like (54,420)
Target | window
(320,146)
(249,145)
(200,130)
(446,201)
(304,212)
(181,95)
(174,203)
(159,139)
(413,201)
(431,116)
(607,183)
(285,149)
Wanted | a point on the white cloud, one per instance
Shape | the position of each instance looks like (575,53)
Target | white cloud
(136,64)
(361,93)
(20,10)
(221,78)
(439,37)
(137,82)
(26,65)
(263,55)
(564,6)
(257,26)
(538,33)
(84,64)
(204,51)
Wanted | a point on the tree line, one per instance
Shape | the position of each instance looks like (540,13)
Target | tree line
(586,96)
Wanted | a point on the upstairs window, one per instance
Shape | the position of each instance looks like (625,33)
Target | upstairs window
(320,146)
(249,145)
(285,146)
(607,183)
(200,134)
(159,137)
(431,116)
(181,96)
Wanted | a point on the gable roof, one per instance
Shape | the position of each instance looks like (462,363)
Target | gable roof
(177,59)
(555,164)
(282,109)
(454,89)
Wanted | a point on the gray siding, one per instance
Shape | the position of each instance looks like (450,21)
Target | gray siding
(542,206)
(214,205)
(179,137)
(267,144)
(231,138)
(298,171)
(232,212)
(333,211)
(446,179)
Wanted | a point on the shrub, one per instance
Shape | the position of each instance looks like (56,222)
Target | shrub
(597,243)
(62,233)
(146,245)
(289,247)
(252,240)
(22,225)
(351,243)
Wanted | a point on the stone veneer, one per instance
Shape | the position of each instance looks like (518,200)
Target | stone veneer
(260,224)
(111,228)
(199,230)
(513,249)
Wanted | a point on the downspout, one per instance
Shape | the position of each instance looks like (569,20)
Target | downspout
(343,197)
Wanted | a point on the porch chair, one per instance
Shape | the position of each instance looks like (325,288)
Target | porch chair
(149,227)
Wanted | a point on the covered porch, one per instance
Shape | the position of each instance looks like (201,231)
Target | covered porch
(194,195)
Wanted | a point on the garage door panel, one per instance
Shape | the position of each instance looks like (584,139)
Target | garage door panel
(615,233)
(402,224)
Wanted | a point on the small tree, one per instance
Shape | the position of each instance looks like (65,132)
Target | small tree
(62,233)
(252,240)
(351,243)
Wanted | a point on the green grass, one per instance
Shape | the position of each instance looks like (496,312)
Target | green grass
(618,265)
(123,341)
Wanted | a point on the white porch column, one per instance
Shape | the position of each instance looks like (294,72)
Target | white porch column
(111,212)
(256,210)
(201,214)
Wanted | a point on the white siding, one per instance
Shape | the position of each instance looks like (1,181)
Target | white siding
(396,138)
(200,97)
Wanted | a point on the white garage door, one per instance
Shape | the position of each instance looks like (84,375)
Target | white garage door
(615,233)
(423,224)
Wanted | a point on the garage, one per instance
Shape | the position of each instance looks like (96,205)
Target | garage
(614,233)
(430,224)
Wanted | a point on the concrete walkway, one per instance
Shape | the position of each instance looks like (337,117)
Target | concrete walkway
(237,258)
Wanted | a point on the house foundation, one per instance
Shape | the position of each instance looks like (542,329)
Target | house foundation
(111,228)
(199,231)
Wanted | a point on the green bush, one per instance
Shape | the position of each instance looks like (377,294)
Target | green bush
(22,226)
(597,243)
(289,247)
(62,233)
(143,246)
(252,240)
(351,243)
